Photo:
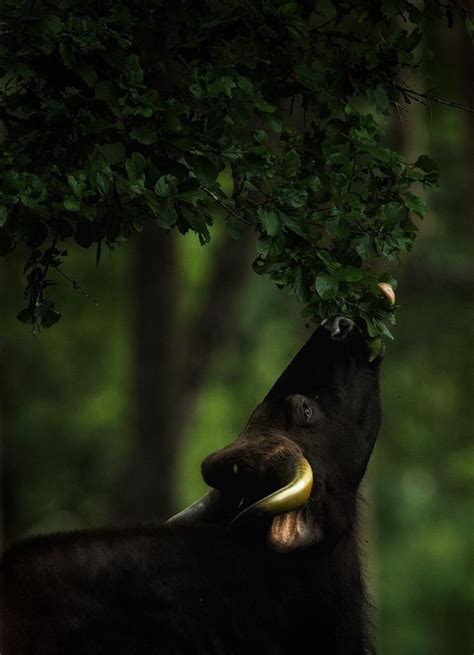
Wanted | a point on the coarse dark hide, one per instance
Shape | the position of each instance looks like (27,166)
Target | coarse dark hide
(267,562)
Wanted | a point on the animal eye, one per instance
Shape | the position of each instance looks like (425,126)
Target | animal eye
(308,412)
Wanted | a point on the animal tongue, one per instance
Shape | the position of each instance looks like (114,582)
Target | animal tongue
(289,531)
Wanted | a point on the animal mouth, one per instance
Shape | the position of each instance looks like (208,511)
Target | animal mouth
(291,530)
(290,497)
(288,507)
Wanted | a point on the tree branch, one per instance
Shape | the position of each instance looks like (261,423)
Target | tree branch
(419,97)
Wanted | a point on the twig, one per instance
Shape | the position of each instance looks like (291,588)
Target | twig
(220,202)
(76,286)
(418,96)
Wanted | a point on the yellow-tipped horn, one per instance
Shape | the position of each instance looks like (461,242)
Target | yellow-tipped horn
(387,291)
(290,497)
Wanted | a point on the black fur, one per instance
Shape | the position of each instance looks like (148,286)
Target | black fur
(205,588)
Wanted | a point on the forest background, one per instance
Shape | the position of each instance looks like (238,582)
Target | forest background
(165,349)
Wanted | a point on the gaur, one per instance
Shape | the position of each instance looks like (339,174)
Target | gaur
(267,562)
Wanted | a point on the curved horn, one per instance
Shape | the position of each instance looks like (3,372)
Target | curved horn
(204,509)
(290,497)
(387,291)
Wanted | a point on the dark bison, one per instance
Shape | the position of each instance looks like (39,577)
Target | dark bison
(267,562)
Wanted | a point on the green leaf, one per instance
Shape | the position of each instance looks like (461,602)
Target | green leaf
(26,315)
(380,154)
(65,51)
(165,185)
(85,234)
(235,226)
(288,8)
(89,124)
(72,204)
(207,171)
(416,204)
(133,70)
(274,122)
(385,330)
(112,152)
(135,166)
(193,197)
(326,286)
(426,164)
(104,91)
(260,136)
(350,274)
(270,247)
(298,286)
(224,84)
(376,348)
(166,217)
(48,314)
(294,198)
(393,214)
(363,247)
(197,91)
(232,152)
(144,133)
(103,182)
(327,259)
(291,164)
(264,106)
(391,7)
(294,225)
(245,84)
(271,221)
(379,97)
(75,185)
(298,31)
(54,26)
(331,224)
(89,75)
(311,78)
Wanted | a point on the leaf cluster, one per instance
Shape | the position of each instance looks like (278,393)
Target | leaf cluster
(113,113)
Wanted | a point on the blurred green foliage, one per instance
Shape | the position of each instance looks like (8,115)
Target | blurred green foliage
(65,399)
(423,478)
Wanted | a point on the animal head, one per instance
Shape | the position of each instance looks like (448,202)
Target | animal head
(295,469)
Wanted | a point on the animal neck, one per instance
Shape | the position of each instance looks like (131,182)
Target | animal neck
(333,579)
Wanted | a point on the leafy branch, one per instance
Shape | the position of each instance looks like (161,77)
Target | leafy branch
(137,128)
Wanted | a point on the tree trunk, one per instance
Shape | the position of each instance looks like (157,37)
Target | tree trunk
(146,488)
(171,369)
(10,470)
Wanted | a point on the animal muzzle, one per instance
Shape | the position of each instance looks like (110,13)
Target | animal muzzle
(289,497)
(268,475)
(251,484)
(292,526)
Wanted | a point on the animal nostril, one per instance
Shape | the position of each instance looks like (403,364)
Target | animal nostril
(338,326)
